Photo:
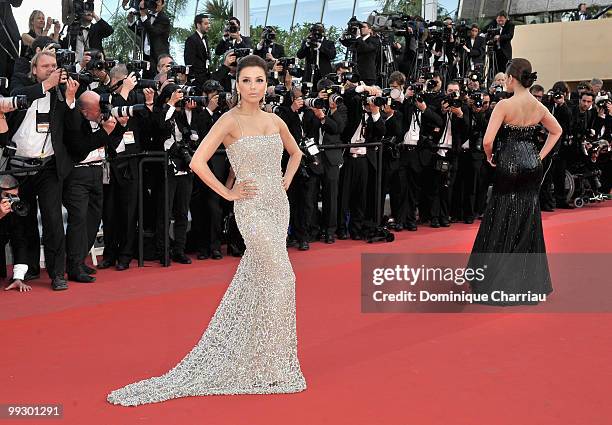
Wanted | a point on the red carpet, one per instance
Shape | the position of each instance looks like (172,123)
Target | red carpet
(73,347)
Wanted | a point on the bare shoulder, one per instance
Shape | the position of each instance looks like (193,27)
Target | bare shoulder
(278,121)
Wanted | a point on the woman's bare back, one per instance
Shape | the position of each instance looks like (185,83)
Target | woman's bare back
(523,111)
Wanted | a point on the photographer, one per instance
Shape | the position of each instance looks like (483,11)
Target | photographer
(206,205)
(444,166)
(502,41)
(564,151)
(364,125)
(197,51)
(87,35)
(36,137)
(419,123)
(475,48)
(319,53)
(226,73)
(471,162)
(268,48)
(177,133)
(154,27)
(232,39)
(11,232)
(23,64)
(87,134)
(120,205)
(93,63)
(394,135)
(326,126)
(38,27)
(367,49)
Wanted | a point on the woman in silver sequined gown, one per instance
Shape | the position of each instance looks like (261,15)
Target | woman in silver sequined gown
(510,240)
(250,345)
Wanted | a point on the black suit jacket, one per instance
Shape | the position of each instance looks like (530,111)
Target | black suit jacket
(198,57)
(429,119)
(332,130)
(367,53)
(58,112)
(80,139)
(477,49)
(327,53)
(158,32)
(97,32)
(505,39)
(6,16)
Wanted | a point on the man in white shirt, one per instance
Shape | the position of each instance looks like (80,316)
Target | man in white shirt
(154,27)
(37,135)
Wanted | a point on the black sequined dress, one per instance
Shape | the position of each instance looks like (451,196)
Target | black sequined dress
(510,240)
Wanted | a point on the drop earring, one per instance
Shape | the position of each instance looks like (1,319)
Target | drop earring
(238,102)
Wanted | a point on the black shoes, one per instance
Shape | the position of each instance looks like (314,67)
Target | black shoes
(88,270)
(444,223)
(81,277)
(234,251)
(343,236)
(435,223)
(203,255)
(330,239)
(216,254)
(410,227)
(121,266)
(58,283)
(356,237)
(105,264)
(303,246)
(181,258)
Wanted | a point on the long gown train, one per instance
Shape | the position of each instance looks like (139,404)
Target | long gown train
(250,345)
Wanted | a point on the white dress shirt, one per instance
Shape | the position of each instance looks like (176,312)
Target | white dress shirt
(30,143)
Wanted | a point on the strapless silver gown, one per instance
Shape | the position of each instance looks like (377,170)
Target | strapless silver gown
(250,345)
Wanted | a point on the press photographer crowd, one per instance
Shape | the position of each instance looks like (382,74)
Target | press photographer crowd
(75,124)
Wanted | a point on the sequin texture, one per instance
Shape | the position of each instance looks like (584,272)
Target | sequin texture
(250,345)
(510,240)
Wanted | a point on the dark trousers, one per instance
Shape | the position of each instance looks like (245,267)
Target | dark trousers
(353,197)
(47,187)
(207,209)
(120,214)
(441,187)
(468,177)
(558,175)
(83,200)
(410,173)
(391,184)
(303,206)
(329,180)
(179,195)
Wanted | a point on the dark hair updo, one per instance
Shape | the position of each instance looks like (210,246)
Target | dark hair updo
(249,61)
(520,69)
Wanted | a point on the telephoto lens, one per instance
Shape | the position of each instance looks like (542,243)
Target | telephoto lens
(314,102)
(127,111)
(10,104)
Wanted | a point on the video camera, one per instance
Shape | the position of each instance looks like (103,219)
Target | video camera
(10,104)
(82,7)
(490,35)
(397,24)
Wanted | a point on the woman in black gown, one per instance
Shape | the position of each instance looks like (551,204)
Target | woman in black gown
(510,241)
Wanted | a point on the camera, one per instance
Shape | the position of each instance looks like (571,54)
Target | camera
(134,6)
(315,102)
(98,64)
(65,58)
(82,7)
(181,151)
(316,35)
(477,98)
(379,101)
(268,35)
(17,205)
(603,100)
(10,104)
(84,78)
(137,66)
(187,90)
(232,28)
(311,160)
(199,101)
(453,99)
(392,23)
(343,78)
(148,84)
(490,36)
(175,70)
(417,88)
(127,111)
(242,52)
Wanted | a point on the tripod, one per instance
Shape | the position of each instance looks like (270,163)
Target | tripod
(490,65)
(387,63)
(419,60)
